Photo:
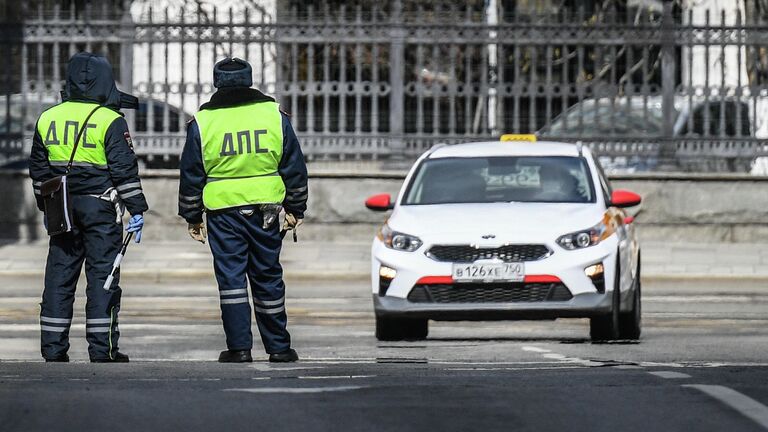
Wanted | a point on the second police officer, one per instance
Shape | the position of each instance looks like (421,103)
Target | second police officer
(241,163)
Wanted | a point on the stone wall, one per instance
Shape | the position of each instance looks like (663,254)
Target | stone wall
(676,208)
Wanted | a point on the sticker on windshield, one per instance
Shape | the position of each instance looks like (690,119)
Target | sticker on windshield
(526,177)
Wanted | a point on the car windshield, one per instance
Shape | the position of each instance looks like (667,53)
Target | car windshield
(550,179)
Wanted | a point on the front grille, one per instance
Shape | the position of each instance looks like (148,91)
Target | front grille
(490,293)
(508,253)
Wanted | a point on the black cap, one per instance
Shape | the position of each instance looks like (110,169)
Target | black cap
(232,72)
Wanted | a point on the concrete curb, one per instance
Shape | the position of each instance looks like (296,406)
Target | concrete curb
(181,274)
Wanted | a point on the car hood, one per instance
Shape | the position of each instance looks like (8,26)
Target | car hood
(506,222)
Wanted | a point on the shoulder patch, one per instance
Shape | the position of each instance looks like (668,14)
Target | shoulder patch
(128,139)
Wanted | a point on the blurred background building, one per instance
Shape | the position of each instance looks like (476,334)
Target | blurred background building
(649,84)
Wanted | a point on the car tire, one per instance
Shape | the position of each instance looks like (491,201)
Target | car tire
(630,322)
(398,329)
(606,327)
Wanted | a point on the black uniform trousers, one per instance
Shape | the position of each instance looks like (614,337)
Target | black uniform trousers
(96,239)
(243,250)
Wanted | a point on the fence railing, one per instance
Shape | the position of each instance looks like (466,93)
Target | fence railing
(646,88)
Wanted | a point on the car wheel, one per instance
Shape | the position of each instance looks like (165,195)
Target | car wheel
(606,327)
(630,322)
(397,329)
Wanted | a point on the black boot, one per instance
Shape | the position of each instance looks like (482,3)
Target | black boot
(117,358)
(238,356)
(64,358)
(289,356)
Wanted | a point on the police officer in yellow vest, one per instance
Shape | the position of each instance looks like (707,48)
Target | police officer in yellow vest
(241,163)
(103,178)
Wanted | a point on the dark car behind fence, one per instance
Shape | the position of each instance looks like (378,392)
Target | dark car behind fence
(649,85)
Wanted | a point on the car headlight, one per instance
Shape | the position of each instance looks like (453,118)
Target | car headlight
(398,241)
(583,239)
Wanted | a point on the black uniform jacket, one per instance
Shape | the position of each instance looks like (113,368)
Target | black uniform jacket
(90,80)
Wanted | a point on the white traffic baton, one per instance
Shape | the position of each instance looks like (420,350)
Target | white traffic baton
(118,260)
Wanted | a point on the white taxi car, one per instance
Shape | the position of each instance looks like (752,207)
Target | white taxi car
(504,231)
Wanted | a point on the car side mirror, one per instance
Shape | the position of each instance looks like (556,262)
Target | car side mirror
(624,198)
(380,202)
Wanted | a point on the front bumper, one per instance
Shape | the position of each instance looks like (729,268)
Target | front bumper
(580,306)
(567,266)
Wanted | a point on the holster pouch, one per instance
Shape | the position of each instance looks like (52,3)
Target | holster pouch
(269,214)
(111,196)
(57,205)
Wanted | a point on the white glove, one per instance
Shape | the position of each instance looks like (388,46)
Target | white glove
(291,222)
(198,232)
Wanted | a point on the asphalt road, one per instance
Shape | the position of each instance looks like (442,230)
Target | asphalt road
(700,366)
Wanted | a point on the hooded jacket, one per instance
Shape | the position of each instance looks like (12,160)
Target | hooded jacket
(291,169)
(89,79)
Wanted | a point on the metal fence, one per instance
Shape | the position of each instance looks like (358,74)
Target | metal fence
(646,87)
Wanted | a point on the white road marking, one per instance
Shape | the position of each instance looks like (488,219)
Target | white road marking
(340,360)
(744,404)
(295,390)
(554,356)
(520,368)
(268,367)
(502,363)
(22,379)
(702,364)
(535,349)
(562,358)
(261,378)
(335,377)
(589,363)
(670,374)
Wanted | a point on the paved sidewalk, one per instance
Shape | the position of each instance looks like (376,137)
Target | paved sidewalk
(324,260)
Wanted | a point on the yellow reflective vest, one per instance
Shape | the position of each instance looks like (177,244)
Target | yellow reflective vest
(59,126)
(241,148)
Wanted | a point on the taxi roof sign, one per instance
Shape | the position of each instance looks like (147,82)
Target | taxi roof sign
(518,137)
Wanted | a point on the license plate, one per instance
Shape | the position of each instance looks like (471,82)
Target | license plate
(491,272)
